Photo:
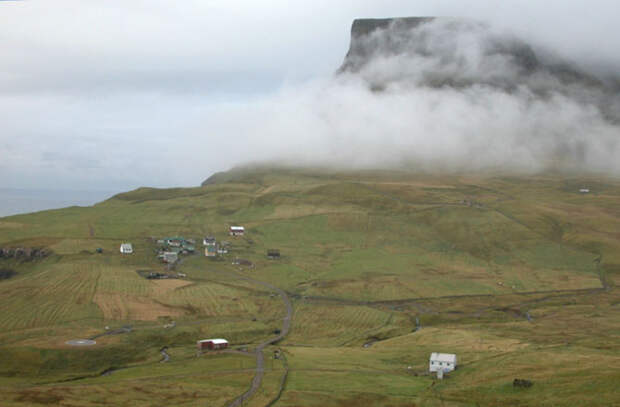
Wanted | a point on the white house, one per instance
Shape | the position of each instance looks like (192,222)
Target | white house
(126,248)
(237,230)
(208,241)
(170,257)
(584,190)
(446,362)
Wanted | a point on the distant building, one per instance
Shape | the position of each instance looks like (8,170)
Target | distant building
(446,362)
(237,231)
(212,344)
(242,262)
(222,250)
(170,257)
(208,241)
(273,254)
(211,251)
(126,248)
(584,190)
(174,243)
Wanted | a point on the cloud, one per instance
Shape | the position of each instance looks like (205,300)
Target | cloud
(164,93)
(446,95)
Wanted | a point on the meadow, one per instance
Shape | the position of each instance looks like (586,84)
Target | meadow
(516,275)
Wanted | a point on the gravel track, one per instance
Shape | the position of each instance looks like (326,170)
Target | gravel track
(260,357)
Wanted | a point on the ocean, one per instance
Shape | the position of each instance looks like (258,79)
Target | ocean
(18,201)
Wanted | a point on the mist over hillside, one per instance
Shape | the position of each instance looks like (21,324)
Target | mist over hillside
(440,94)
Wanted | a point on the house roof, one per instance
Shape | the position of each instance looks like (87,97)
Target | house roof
(237,228)
(126,246)
(443,357)
(218,341)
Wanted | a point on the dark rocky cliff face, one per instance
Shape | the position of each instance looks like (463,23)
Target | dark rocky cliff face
(420,52)
(360,51)
(477,53)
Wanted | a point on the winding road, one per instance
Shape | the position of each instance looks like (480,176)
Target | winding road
(286,323)
(260,357)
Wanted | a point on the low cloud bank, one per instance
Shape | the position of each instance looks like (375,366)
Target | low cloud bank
(445,94)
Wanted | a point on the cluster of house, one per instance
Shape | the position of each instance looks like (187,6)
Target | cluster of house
(172,247)
(213,248)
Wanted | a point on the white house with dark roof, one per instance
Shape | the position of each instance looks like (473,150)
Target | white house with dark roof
(126,248)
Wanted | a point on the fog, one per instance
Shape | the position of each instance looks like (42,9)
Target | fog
(114,95)
(449,95)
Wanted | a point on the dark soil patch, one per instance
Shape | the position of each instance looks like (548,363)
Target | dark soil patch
(35,397)
(5,274)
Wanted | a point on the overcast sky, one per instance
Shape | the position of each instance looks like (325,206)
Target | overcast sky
(118,94)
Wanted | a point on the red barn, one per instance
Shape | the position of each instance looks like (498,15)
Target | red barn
(212,344)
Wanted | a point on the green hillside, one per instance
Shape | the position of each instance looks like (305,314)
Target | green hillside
(514,274)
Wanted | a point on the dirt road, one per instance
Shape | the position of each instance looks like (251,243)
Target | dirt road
(260,357)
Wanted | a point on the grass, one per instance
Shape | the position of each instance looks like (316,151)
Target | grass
(363,255)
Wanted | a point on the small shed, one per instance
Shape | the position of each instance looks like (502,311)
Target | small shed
(273,254)
(237,231)
(446,362)
(126,248)
(212,344)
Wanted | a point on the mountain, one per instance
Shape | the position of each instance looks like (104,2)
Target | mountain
(428,52)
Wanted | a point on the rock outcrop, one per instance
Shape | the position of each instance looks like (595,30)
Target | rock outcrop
(23,253)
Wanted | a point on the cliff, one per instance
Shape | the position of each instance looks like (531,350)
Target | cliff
(430,52)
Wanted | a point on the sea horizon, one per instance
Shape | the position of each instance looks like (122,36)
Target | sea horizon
(20,201)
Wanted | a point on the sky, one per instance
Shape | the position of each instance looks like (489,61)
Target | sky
(113,95)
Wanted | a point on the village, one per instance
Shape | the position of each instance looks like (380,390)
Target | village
(170,251)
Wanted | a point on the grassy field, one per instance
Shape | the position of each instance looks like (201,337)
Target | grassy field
(517,275)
